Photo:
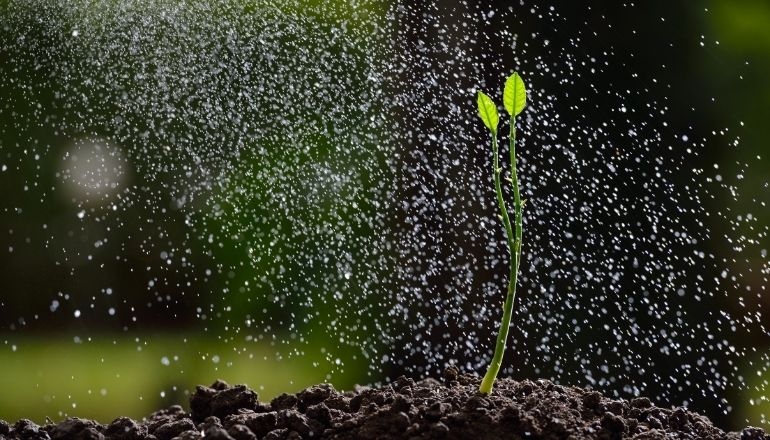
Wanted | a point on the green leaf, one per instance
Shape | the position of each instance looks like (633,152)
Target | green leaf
(488,112)
(514,95)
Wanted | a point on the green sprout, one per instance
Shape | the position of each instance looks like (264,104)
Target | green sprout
(514,100)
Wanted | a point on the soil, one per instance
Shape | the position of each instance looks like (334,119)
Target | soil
(404,409)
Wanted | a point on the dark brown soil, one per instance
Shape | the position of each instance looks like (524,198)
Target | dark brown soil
(405,409)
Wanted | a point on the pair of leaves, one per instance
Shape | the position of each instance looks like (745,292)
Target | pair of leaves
(514,100)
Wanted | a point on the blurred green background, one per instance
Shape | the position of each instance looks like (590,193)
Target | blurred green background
(104,377)
(172,177)
(106,315)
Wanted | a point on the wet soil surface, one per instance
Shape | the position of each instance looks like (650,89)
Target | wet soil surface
(405,409)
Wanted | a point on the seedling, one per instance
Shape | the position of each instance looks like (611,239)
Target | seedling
(514,100)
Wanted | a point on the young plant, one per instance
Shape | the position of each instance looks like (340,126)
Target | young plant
(514,100)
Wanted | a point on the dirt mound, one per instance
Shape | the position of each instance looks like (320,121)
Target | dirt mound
(405,409)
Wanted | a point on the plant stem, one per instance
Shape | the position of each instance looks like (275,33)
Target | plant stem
(517,203)
(514,251)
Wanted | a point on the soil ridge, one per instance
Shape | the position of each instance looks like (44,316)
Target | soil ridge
(404,409)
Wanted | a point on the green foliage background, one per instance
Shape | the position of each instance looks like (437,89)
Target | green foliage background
(51,364)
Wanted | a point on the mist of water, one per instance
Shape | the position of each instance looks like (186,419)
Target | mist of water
(315,178)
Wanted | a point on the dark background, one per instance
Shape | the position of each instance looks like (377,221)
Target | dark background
(682,70)
(647,53)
